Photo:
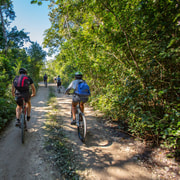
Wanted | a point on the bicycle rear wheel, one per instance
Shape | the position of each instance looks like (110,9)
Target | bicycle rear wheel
(22,127)
(82,127)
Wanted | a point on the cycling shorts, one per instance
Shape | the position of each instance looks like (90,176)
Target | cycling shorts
(58,83)
(77,98)
(19,96)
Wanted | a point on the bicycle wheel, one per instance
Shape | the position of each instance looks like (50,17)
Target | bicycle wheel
(82,127)
(22,127)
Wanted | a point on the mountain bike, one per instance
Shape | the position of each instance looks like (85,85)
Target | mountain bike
(23,125)
(80,122)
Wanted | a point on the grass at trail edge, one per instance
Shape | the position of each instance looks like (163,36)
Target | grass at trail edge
(57,145)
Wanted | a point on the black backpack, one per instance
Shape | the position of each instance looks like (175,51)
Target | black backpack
(21,82)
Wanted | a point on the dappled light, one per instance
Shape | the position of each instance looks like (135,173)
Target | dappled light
(128,54)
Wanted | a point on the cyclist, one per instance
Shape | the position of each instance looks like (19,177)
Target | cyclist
(23,92)
(45,78)
(55,80)
(58,81)
(76,99)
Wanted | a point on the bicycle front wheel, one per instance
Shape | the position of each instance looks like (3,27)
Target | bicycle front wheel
(82,127)
(22,127)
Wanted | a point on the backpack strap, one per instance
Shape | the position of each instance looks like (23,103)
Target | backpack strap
(24,78)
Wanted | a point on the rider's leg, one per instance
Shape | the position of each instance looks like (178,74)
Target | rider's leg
(28,105)
(18,111)
(82,107)
(74,104)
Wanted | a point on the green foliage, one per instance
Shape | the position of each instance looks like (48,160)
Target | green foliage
(12,58)
(36,60)
(129,53)
(7,105)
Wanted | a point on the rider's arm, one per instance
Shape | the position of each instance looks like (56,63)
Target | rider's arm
(71,87)
(33,90)
(13,90)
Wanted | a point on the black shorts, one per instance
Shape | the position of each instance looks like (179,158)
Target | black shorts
(77,98)
(19,96)
(58,83)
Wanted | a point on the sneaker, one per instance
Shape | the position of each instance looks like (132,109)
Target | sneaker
(73,122)
(17,123)
(28,118)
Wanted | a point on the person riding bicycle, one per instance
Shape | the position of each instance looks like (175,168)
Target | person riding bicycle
(20,89)
(76,98)
(45,78)
(58,81)
(55,80)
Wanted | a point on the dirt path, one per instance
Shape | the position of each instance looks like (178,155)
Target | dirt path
(106,155)
(103,156)
(23,161)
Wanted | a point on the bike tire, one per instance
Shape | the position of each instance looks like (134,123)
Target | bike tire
(22,128)
(82,127)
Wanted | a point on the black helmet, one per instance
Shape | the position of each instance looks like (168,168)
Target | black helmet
(78,75)
(22,71)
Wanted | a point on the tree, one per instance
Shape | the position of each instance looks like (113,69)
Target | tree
(7,14)
(37,58)
(130,52)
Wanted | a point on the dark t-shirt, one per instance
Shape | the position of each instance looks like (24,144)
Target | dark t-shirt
(24,91)
(45,77)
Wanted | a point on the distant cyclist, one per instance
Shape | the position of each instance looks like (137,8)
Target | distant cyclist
(45,78)
(20,89)
(58,80)
(55,80)
(76,98)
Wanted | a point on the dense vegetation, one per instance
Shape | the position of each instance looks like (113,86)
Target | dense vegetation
(129,54)
(127,50)
(12,57)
